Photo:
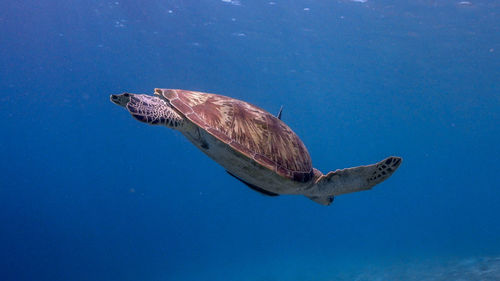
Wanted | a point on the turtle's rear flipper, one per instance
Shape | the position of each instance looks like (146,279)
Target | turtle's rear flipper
(356,178)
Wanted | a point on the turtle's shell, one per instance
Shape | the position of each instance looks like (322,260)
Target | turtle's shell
(247,129)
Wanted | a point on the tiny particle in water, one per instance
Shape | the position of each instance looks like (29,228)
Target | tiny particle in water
(465,3)
(492,50)
(306,9)
(232,2)
(117,3)
(170,11)
(272,3)
(119,24)
(233,19)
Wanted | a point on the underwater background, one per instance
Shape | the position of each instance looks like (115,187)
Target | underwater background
(88,193)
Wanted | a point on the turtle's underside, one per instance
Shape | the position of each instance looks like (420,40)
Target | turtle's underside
(254,146)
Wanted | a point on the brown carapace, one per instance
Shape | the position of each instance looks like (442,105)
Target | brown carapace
(251,144)
(248,129)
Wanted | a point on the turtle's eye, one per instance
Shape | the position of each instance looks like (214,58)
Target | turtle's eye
(126,95)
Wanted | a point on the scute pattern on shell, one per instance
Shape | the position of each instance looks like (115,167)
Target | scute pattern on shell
(246,128)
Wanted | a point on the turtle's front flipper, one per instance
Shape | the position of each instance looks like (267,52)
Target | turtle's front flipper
(325,200)
(355,179)
(279,113)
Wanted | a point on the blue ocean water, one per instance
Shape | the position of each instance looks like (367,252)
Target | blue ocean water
(88,193)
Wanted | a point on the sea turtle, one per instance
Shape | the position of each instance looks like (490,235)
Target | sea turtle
(252,145)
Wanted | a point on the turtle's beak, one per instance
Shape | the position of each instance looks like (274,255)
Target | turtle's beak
(121,99)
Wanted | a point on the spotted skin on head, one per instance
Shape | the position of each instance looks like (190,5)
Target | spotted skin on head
(150,109)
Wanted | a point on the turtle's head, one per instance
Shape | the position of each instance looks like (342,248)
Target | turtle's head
(121,99)
(149,109)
